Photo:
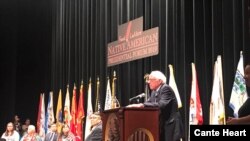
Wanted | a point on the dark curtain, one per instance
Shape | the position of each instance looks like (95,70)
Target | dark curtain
(8,38)
(25,57)
(190,31)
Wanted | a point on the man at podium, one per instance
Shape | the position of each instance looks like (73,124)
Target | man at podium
(163,97)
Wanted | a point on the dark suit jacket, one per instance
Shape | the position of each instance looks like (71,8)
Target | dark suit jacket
(50,137)
(96,134)
(171,128)
(245,108)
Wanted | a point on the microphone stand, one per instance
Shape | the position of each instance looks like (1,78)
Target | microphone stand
(136,98)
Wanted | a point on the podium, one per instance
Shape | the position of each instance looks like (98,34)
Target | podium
(131,124)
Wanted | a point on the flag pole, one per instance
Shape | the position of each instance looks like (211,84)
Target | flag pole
(97,95)
(146,78)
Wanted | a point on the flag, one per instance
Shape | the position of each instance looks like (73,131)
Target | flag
(73,112)
(173,85)
(39,113)
(50,113)
(80,115)
(217,108)
(89,111)
(108,97)
(239,92)
(195,111)
(59,116)
(114,101)
(41,117)
(67,116)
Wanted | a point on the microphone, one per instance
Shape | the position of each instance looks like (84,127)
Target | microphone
(137,97)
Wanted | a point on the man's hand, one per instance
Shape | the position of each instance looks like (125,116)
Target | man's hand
(232,120)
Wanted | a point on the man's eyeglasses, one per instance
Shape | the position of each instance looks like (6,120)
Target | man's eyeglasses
(152,79)
(94,117)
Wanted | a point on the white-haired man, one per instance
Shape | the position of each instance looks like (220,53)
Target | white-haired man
(163,97)
(31,134)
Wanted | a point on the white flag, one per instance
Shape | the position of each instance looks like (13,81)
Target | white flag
(67,115)
(217,106)
(239,92)
(173,85)
(108,97)
(89,112)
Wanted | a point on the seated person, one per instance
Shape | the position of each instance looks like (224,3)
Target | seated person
(66,135)
(10,133)
(96,128)
(17,124)
(31,134)
(52,134)
(25,126)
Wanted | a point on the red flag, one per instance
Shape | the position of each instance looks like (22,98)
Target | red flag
(41,117)
(195,113)
(80,115)
(39,113)
(73,113)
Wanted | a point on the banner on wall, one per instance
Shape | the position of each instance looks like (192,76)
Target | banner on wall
(133,43)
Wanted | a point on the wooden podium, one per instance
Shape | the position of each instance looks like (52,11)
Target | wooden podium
(131,124)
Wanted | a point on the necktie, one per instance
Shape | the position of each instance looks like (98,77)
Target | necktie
(51,136)
(155,93)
